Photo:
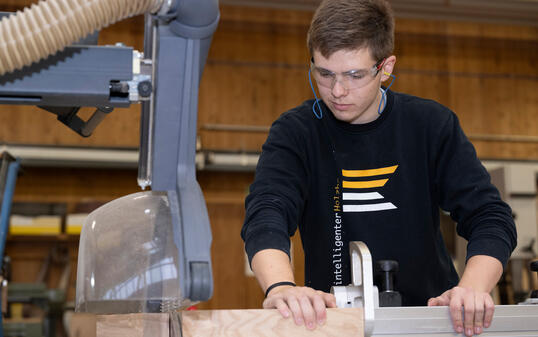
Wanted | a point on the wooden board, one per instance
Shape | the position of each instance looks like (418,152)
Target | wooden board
(82,324)
(133,325)
(267,323)
(228,323)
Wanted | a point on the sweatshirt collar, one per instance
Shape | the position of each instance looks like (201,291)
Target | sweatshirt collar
(361,127)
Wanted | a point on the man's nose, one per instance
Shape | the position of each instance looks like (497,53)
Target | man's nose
(338,89)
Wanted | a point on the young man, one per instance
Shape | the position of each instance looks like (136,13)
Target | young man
(364,163)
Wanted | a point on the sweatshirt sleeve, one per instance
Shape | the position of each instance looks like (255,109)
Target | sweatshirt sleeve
(465,190)
(277,196)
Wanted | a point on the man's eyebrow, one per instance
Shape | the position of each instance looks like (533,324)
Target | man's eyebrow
(356,71)
(351,71)
(323,69)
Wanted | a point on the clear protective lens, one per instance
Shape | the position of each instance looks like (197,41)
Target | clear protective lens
(350,80)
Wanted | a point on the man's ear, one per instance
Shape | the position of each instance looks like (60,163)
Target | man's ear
(388,67)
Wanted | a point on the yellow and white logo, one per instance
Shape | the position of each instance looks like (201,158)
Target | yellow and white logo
(355,190)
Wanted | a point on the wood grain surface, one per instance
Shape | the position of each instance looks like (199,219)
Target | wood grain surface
(267,323)
(133,325)
(229,323)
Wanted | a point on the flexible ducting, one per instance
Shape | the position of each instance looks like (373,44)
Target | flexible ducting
(49,26)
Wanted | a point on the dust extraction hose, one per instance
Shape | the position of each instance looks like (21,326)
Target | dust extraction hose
(49,26)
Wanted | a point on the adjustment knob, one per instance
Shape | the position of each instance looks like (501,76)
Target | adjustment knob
(387,265)
(145,88)
(387,268)
(388,297)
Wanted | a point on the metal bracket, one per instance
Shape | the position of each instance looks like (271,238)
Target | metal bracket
(361,293)
(69,117)
(508,320)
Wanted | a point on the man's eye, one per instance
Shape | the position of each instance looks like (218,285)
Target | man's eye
(356,76)
(325,74)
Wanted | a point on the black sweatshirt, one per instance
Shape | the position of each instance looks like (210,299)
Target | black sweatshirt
(382,183)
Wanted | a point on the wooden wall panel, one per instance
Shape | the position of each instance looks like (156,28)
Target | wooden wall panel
(15,5)
(73,186)
(31,125)
(257,94)
(466,29)
(245,103)
(257,69)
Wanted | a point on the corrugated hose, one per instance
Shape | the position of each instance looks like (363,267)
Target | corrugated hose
(49,26)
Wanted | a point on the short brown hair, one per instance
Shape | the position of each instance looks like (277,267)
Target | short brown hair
(350,25)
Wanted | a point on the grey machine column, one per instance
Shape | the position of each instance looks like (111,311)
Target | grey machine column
(180,43)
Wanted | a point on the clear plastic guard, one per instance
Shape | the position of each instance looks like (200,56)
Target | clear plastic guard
(128,261)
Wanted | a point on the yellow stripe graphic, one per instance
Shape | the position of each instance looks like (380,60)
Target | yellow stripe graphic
(364,184)
(369,173)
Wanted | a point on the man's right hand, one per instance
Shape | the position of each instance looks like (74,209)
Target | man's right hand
(308,306)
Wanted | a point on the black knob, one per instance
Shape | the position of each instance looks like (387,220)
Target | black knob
(387,265)
(387,268)
(145,88)
(388,297)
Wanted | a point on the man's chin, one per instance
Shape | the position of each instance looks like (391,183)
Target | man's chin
(344,116)
(353,118)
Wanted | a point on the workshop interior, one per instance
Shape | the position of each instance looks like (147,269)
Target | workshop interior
(130,132)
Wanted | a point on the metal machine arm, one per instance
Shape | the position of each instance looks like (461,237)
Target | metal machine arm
(166,81)
(82,75)
(172,157)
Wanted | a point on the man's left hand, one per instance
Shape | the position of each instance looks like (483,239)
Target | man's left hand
(478,308)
